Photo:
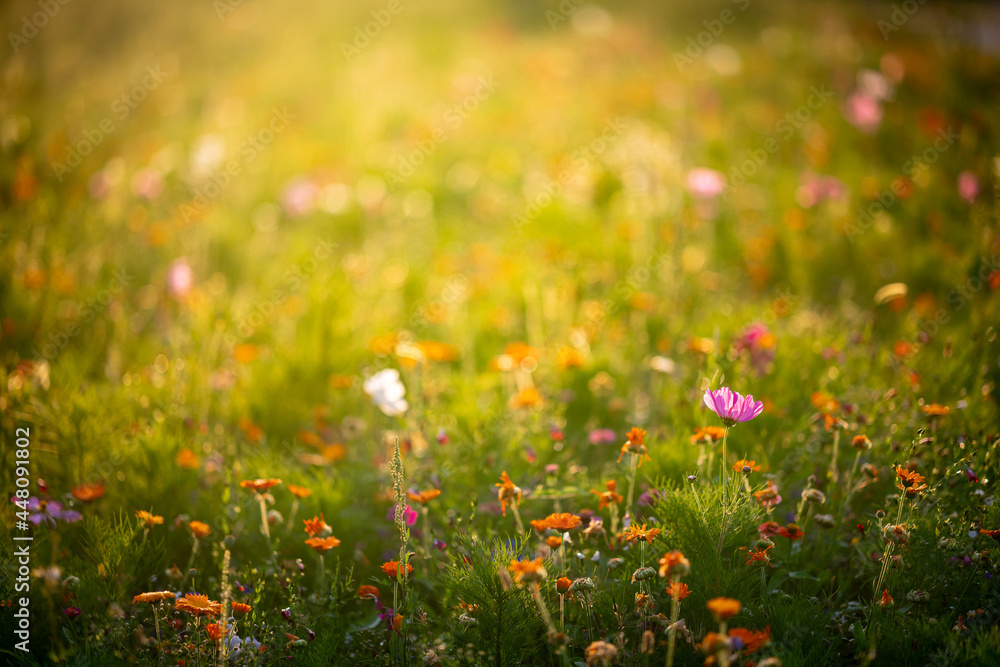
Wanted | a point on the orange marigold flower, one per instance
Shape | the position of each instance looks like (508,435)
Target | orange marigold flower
(423,496)
(392,568)
(316,525)
(563,584)
(673,564)
(240,608)
(520,351)
(215,631)
(641,601)
(723,608)
(253,432)
(563,521)
(861,442)
(260,485)
(299,491)
(707,434)
(187,459)
(636,436)
(541,525)
(738,466)
(679,588)
(198,605)
(437,351)
(323,544)
(148,518)
(995,533)
(155,596)
(886,599)
(753,640)
(609,496)
(368,592)
(508,492)
(554,541)
(527,571)
(87,492)
(636,533)
(568,357)
(936,410)
(711,643)
(824,402)
(199,528)
(768,495)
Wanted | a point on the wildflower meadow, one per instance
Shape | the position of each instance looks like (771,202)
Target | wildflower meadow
(499,332)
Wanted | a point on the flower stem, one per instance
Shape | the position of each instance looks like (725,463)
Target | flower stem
(631,488)
(536,592)
(834,472)
(674,611)
(517,518)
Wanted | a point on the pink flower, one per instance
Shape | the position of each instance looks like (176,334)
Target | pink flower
(410,516)
(968,186)
(602,436)
(180,278)
(705,183)
(863,112)
(732,407)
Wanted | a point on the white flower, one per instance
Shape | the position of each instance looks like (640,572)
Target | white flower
(387,392)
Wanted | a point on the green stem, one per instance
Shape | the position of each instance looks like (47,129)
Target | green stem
(631,486)
(674,611)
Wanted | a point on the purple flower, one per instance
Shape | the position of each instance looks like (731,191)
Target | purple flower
(603,436)
(71,612)
(440,545)
(731,407)
(50,511)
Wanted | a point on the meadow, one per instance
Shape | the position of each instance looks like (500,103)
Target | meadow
(499,333)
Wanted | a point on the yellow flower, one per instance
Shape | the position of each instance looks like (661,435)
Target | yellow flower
(148,518)
(198,605)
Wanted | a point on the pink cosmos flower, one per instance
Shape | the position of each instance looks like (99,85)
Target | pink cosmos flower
(732,407)
(968,186)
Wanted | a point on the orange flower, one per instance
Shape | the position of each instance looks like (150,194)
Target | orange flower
(791,531)
(526,398)
(424,496)
(995,533)
(634,444)
(260,485)
(563,521)
(635,533)
(368,592)
(712,643)
(755,556)
(508,492)
(299,491)
(541,525)
(861,442)
(910,482)
(609,496)
(723,608)
(244,353)
(673,564)
(936,410)
(708,434)
(86,492)
(155,596)
(392,568)
(520,351)
(316,525)
(253,432)
(437,351)
(568,357)
(680,588)
(527,571)
(240,608)
(824,401)
(753,640)
(554,541)
(187,459)
(397,622)
(198,605)
(215,631)
(886,599)
(148,518)
(563,584)
(738,466)
(641,601)
(323,544)
(199,528)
